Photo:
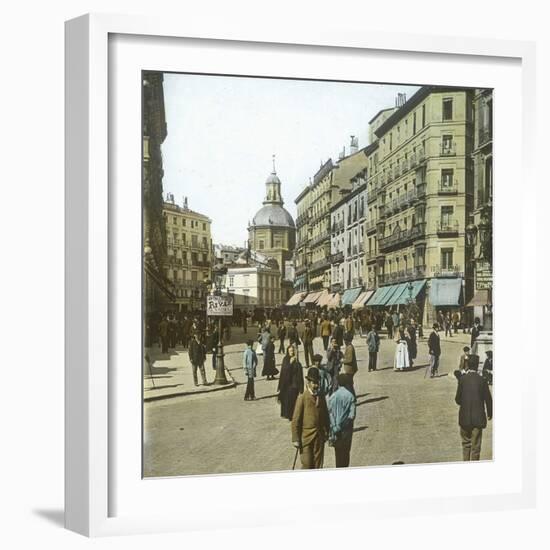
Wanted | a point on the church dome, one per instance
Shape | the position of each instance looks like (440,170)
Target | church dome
(273,215)
(273,178)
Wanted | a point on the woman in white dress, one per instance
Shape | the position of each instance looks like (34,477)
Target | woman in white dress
(401,360)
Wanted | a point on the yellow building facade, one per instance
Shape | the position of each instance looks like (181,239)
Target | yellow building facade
(189,254)
(420,193)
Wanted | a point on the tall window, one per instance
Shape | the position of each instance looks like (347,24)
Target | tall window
(231,280)
(261,245)
(446,258)
(423,115)
(447,108)
(194,276)
(194,241)
(446,144)
(447,177)
(414,123)
(447,215)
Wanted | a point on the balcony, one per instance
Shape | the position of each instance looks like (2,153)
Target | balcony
(337,258)
(447,187)
(448,149)
(301,269)
(371,254)
(370,226)
(319,239)
(447,271)
(401,237)
(421,190)
(421,155)
(319,265)
(484,136)
(354,250)
(201,263)
(447,228)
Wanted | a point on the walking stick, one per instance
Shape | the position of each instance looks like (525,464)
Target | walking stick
(295,458)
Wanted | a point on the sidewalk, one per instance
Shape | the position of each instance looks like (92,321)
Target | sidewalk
(172,375)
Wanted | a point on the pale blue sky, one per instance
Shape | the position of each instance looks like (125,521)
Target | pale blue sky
(223,131)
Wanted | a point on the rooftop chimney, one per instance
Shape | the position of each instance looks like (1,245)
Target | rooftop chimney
(400,100)
(354,145)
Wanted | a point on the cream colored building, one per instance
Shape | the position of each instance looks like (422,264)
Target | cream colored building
(313,258)
(421,189)
(189,253)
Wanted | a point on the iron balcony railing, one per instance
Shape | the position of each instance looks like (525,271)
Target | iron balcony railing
(370,226)
(402,236)
(448,149)
(336,258)
(448,226)
(320,264)
(447,187)
(447,271)
(485,135)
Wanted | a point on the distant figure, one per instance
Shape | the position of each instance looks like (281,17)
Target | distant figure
(462,363)
(163,333)
(338,333)
(476,329)
(326,330)
(307,340)
(293,338)
(291,382)
(334,362)
(349,361)
(488,367)
(473,396)
(373,345)
(310,423)
(401,358)
(270,370)
(250,362)
(197,356)
(341,408)
(389,326)
(281,335)
(434,350)
(325,378)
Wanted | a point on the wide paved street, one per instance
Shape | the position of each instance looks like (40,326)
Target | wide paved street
(400,416)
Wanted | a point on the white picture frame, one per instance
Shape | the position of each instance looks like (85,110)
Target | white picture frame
(95,490)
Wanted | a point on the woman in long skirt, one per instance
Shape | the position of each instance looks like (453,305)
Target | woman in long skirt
(291,382)
(270,370)
(401,360)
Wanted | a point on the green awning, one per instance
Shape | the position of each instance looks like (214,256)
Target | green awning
(446,292)
(402,296)
(380,296)
(398,291)
(350,295)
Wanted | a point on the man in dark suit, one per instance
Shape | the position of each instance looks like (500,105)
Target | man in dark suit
(473,396)
(476,329)
(434,350)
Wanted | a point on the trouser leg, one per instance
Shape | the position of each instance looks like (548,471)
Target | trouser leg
(477,434)
(203,374)
(306,457)
(342,451)
(195,379)
(325,342)
(318,452)
(466,437)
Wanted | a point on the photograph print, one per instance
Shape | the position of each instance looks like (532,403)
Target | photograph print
(317,274)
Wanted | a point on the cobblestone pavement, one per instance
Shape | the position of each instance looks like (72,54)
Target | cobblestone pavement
(400,416)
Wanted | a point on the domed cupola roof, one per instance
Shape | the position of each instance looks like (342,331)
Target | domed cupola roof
(273,213)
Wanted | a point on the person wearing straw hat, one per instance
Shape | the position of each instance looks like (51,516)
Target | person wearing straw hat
(310,423)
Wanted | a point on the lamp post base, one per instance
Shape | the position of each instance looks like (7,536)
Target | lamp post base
(220,379)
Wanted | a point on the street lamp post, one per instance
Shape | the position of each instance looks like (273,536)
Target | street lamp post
(221,379)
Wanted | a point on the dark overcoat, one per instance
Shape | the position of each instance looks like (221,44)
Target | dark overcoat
(473,396)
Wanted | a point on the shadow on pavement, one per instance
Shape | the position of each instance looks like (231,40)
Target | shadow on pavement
(57,517)
(162,387)
(267,397)
(160,370)
(373,400)
(360,429)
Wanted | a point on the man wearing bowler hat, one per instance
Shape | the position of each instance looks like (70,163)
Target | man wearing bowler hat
(473,396)
(310,423)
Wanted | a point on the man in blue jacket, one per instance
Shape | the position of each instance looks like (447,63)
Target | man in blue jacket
(341,410)
(250,362)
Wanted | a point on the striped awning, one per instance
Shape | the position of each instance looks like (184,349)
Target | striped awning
(350,295)
(380,296)
(312,297)
(446,292)
(362,299)
(296,298)
(334,301)
(403,294)
(324,298)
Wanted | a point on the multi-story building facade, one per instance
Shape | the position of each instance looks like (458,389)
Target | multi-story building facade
(348,217)
(253,286)
(480,233)
(158,292)
(313,258)
(189,258)
(421,175)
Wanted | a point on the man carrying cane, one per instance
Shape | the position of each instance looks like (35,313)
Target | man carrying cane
(310,423)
